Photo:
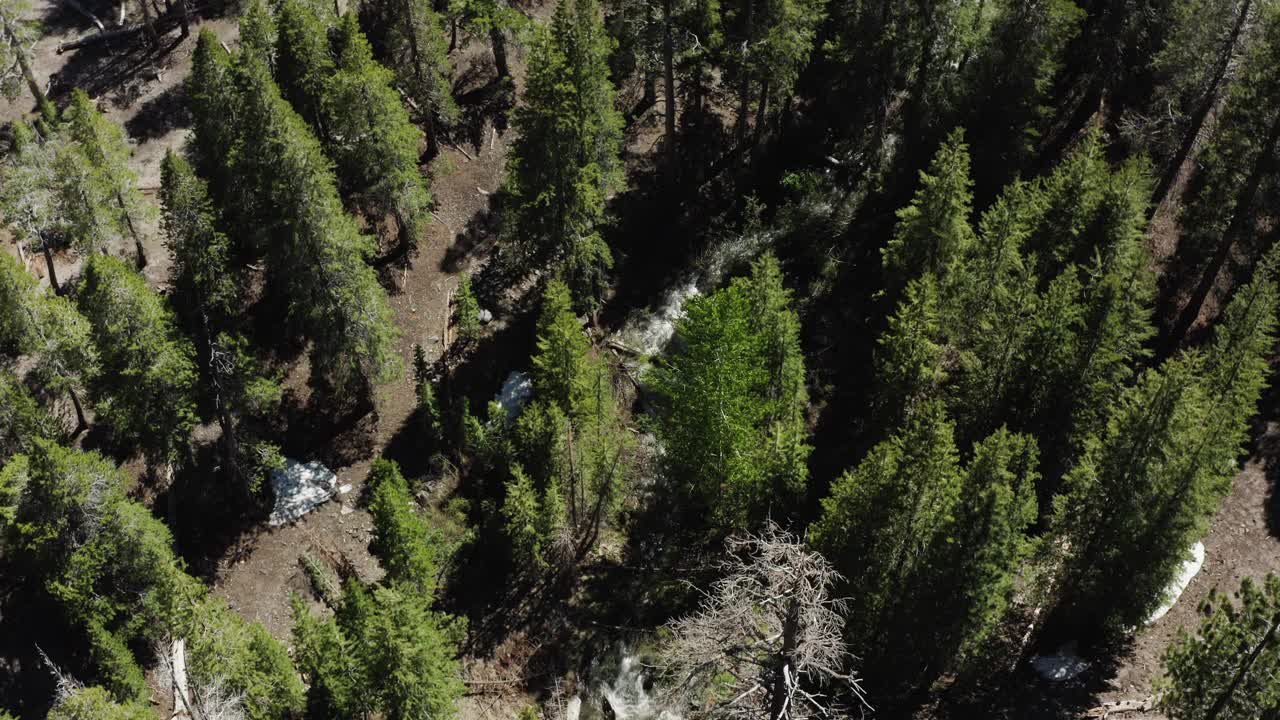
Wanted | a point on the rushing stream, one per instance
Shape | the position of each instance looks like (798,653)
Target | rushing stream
(648,332)
(625,694)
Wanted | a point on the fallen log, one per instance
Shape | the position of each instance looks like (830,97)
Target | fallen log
(1108,709)
(85,12)
(97,38)
(162,25)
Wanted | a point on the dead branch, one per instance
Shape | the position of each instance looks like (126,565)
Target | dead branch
(771,624)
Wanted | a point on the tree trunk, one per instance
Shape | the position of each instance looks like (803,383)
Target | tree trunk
(128,219)
(184,17)
(149,24)
(744,85)
(669,87)
(1202,111)
(499,42)
(81,421)
(1225,697)
(1243,211)
(763,108)
(785,671)
(48,261)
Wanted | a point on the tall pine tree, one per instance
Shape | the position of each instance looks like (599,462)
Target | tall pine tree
(566,161)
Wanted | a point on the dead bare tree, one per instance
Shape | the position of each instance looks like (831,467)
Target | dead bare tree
(772,627)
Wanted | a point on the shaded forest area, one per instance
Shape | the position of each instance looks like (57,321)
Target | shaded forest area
(674,359)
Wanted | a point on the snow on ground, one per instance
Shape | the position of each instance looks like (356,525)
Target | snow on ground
(300,488)
(1190,567)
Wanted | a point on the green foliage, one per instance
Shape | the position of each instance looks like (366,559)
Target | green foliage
(288,203)
(117,668)
(933,231)
(374,145)
(145,391)
(211,98)
(466,310)
(1233,162)
(304,63)
(109,564)
(408,37)
(1138,497)
(777,37)
(522,513)
(49,332)
(560,365)
(916,536)
(1225,670)
(385,652)
(94,703)
(433,419)
(408,547)
(1011,80)
(1144,492)
(205,286)
(732,421)
(104,179)
(222,648)
(570,440)
(566,160)
(909,354)
(258,32)
(22,420)
(208,295)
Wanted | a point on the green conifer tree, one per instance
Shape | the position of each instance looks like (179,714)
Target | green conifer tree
(375,147)
(146,388)
(916,536)
(94,703)
(105,149)
(385,651)
(304,61)
(1223,212)
(258,31)
(207,294)
(408,37)
(1226,670)
(934,230)
(315,250)
(732,422)
(409,548)
(566,162)
(211,95)
(466,310)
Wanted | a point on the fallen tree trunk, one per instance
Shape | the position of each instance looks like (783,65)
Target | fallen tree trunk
(1106,710)
(163,24)
(85,12)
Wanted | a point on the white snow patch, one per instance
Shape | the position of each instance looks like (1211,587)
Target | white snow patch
(516,391)
(1190,567)
(300,488)
(1061,665)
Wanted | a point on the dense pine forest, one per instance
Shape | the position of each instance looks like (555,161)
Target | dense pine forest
(639,359)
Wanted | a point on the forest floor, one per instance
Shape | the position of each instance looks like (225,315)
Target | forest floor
(258,569)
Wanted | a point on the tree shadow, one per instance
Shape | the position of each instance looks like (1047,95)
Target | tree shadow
(31,624)
(479,237)
(211,514)
(482,103)
(121,70)
(160,115)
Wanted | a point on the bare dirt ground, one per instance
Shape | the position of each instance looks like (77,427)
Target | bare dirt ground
(143,91)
